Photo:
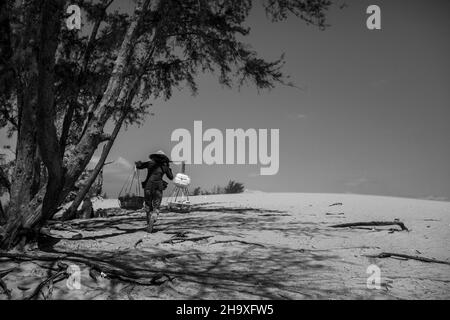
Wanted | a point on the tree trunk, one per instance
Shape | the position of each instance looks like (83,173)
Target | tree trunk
(6,73)
(67,121)
(27,82)
(3,216)
(60,181)
(51,17)
(5,184)
(37,174)
(80,79)
(115,93)
(71,212)
(4,180)
(37,47)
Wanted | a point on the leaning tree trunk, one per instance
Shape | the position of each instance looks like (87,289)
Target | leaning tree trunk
(72,210)
(116,94)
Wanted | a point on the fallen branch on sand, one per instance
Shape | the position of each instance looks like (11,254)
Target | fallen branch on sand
(111,271)
(275,215)
(178,240)
(138,243)
(372,223)
(406,256)
(335,204)
(240,241)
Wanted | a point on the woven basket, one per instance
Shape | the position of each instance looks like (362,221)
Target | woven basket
(179,207)
(131,202)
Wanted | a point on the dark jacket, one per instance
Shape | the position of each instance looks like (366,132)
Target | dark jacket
(155,171)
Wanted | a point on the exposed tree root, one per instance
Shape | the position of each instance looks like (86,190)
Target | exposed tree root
(5,289)
(372,223)
(3,285)
(6,271)
(52,279)
(406,256)
(178,234)
(110,270)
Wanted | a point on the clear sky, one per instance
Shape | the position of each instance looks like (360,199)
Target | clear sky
(371,117)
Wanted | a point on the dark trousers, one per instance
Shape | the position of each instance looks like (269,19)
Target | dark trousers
(153,195)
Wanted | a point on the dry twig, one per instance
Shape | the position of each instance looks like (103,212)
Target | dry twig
(372,223)
(406,256)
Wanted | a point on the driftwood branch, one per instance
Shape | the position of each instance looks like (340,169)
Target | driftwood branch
(372,223)
(335,204)
(406,256)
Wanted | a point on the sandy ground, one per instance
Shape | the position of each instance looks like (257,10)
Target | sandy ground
(260,246)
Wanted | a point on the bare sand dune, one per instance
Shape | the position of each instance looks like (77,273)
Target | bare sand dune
(258,246)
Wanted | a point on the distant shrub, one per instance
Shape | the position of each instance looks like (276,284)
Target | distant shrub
(197,191)
(231,187)
(234,187)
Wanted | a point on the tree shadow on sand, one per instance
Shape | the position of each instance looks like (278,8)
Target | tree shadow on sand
(231,263)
